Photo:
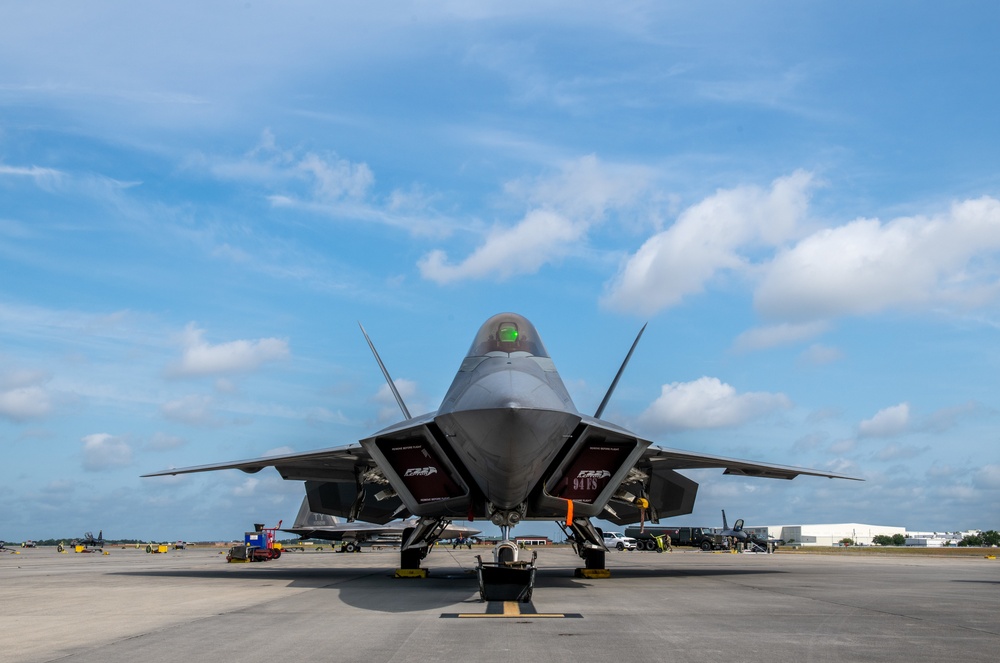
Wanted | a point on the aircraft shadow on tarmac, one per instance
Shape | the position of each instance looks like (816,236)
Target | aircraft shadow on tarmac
(375,588)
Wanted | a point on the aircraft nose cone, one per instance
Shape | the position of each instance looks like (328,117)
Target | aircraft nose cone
(509,389)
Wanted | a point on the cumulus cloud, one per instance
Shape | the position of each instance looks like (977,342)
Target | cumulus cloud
(102,451)
(23,395)
(561,211)
(886,422)
(200,358)
(708,403)
(707,238)
(867,266)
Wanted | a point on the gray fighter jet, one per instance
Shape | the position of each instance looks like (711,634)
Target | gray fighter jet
(506,444)
(311,525)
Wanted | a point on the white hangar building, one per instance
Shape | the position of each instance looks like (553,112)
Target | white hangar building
(830,535)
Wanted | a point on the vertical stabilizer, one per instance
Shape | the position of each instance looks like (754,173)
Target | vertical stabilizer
(614,383)
(392,385)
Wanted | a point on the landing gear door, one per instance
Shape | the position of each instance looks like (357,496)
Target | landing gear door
(592,470)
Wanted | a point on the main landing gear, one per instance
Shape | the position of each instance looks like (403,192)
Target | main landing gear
(417,542)
(589,545)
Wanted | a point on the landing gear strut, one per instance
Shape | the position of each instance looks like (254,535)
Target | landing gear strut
(589,544)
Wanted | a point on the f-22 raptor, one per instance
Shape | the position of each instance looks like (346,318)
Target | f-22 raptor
(507,444)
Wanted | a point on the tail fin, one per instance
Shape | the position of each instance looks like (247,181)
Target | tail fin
(307,519)
(725,525)
(618,376)
(385,373)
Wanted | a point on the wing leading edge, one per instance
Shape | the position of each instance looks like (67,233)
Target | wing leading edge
(677,459)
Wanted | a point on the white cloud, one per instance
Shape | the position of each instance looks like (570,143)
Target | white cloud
(780,334)
(539,238)
(43,177)
(247,488)
(102,451)
(708,403)
(389,409)
(818,354)
(867,266)
(886,422)
(193,411)
(200,358)
(707,238)
(561,211)
(23,396)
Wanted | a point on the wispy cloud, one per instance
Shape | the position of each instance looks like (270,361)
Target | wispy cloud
(561,211)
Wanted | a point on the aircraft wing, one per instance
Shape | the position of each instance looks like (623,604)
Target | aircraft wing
(359,530)
(334,464)
(676,459)
(341,531)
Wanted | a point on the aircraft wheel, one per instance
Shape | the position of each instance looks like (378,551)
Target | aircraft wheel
(349,547)
(594,559)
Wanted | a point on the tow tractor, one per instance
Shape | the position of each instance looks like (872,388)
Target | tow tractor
(258,545)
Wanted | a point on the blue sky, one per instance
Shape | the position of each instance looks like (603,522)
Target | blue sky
(199,203)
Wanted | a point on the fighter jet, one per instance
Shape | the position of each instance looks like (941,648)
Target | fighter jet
(737,533)
(506,444)
(311,525)
(89,541)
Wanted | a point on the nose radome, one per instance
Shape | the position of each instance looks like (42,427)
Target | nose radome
(510,389)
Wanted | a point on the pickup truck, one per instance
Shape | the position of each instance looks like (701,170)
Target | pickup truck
(618,541)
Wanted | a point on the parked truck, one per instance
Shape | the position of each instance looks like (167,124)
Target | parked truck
(698,537)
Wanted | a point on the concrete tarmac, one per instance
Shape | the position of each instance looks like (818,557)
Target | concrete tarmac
(191,605)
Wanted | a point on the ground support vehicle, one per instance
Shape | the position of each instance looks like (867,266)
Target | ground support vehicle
(259,546)
(697,537)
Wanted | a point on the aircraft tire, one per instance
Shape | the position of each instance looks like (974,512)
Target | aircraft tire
(594,559)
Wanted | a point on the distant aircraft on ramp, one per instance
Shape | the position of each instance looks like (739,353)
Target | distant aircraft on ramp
(311,525)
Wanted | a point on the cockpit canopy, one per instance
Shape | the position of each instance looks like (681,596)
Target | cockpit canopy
(507,333)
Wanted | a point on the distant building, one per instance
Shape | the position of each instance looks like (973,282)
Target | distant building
(832,534)
(532,540)
(936,539)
